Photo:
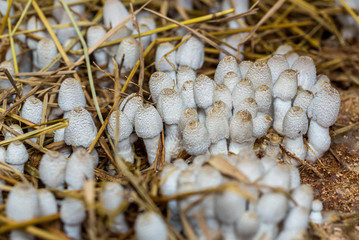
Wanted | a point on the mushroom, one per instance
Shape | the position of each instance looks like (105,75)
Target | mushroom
(303,196)
(226,65)
(218,131)
(287,51)
(187,95)
(316,215)
(263,98)
(297,218)
(247,225)
(259,74)
(185,74)
(240,131)
(71,95)
(150,225)
(114,12)
(243,89)
(303,98)
(52,169)
(203,92)
(191,53)
(163,62)
(195,138)
(222,93)
(130,105)
(158,82)
(230,80)
(244,66)
(307,73)
(277,64)
(47,203)
(72,214)
(16,155)
(129,50)
(94,34)
(232,43)
(46,52)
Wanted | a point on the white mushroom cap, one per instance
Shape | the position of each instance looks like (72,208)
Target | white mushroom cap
(295,123)
(187,115)
(303,98)
(303,196)
(226,65)
(161,62)
(72,211)
(322,82)
(272,207)
(94,34)
(278,176)
(187,95)
(221,106)
(217,125)
(203,91)
(32,110)
(5,83)
(316,215)
(233,40)
(16,128)
(195,138)
(159,81)
(277,64)
(71,95)
(263,97)
(148,122)
(283,49)
(81,130)
(260,74)
(248,104)
(244,89)
(324,108)
(170,106)
(47,202)
(111,197)
(185,74)
(244,66)
(191,53)
(251,168)
(150,225)
(16,155)
(285,87)
(124,127)
(46,52)
(2,155)
(146,40)
(307,73)
(32,24)
(129,106)
(130,49)
(229,206)
(298,218)
(261,124)
(22,203)
(79,168)
(241,127)
(247,225)
(52,169)
(115,12)
(169,176)
(123,32)
(230,80)
(222,93)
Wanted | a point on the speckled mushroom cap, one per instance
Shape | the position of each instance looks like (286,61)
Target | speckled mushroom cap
(112,195)
(277,64)
(32,110)
(230,80)
(187,95)
(71,95)
(248,104)
(16,153)
(72,211)
(217,125)
(203,91)
(241,126)
(52,169)
(263,97)
(185,74)
(322,82)
(285,87)
(195,138)
(244,66)
(303,98)
(170,106)
(124,125)
(272,207)
(307,73)
(94,34)
(324,108)
(46,52)
(162,64)
(187,115)
(150,225)
(16,128)
(295,123)
(260,74)
(148,122)
(159,81)
(226,65)
(191,53)
(129,106)
(244,89)
(222,93)
(130,49)
(221,106)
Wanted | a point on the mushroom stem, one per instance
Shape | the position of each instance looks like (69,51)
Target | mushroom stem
(235,147)
(280,110)
(295,146)
(124,149)
(73,231)
(219,147)
(172,141)
(318,140)
(151,148)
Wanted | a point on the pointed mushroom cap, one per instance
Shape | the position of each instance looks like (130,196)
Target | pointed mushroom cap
(46,52)
(71,95)
(244,66)
(241,127)
(52,169)
(124,127)
(222,93)
(217,125)
(247,225)
(260,74)
(248,104)
(244,89)
(94,34)
(191,53)
(195,138)
(150,225)
(159,81)
(203,91)
(307,73)
(187,115)
(111,197)
(130,50)
(303,196)
(16,128)
(261,124)
(129,106)
(272,207)
(303,98)
(81,130)
(187,95)
(72,211)
(32,24)
(229,206)
(185,74)
(16,153)
(22,203)
(170,106)
(32,110)
(295,123)
(115,12)
(163,64)
(148,122)
(5,83)
(277,64)
(324,108)
(322,82)
(263,97)
(285,87)
(230,80)
(47,202)
(221,106)
(226,65)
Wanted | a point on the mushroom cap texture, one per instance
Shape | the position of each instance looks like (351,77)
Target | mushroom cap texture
(195,138)
(22,203)
(324,108)
(187,95)
(150,225)
(159,81)
(170,106)
(303,98)
(272,207)
(81,130)
(129,48)
(148,122)
(47,202)
(72,211)
(230,80)
(32,110)
(16,128)
(71,95)
(263,97)
(187,115)
(217,125)
(295,123)
(260,74)
(115,12)
(277,64)
(46,51)
(191,53)
(185,74)
(129,106)
(226,65)
(229,205)
(307,73)
(244,66)
(222,93)
(241,126)
(203,91)
(16,153)
(52,169)
(248,104)
(243,89)
(124,127)
(112,195)
(286,86)
(94,34)
(162,64)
